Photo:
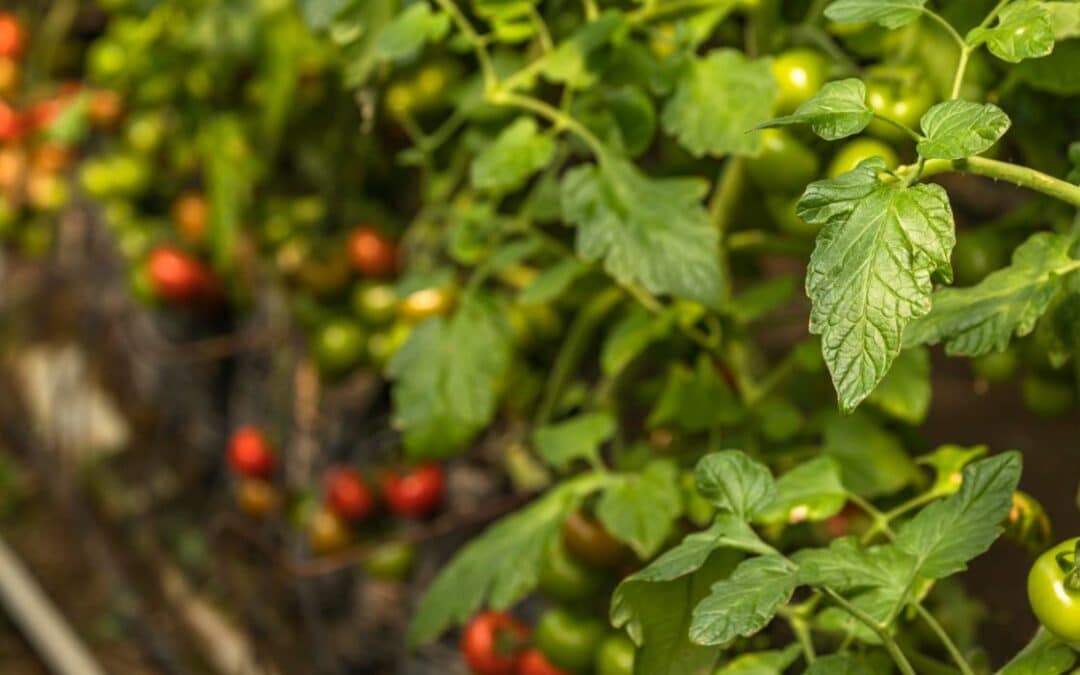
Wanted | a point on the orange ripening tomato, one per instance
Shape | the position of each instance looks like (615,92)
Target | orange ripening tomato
(372,253)
(250,453)
(190,213)
(12,39)
(533,662)
(11,123)
(105,108)
(492,642)
(256,497)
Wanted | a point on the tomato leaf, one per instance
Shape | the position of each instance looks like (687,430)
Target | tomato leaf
(870,272)
(840,663)
(573,61)
(717,98)
(406,34)
(812,491)
(872,460)
(735,483)
(445,377)
(695,399)
(837,111)
(553,282)
(640,509)
(958,129)
(652,231)
(560,445)
(744,603)
(887,13)
(518,152)
(631,336)
(982,318)
(760,663)
(1023,31)
(946,534)
(1044,654)
(905,392)
(501,566)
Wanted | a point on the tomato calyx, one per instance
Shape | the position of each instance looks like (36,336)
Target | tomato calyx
(1069,562)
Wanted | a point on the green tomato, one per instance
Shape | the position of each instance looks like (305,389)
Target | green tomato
(384,344)
(129,174)
(782,210)
(1047,397)
(391,561)
(375,303)
(784,164)
(799,74)
(900,94)
(569,640)
(856,150)
(106,60)
(615,656)
(1054,591)
(338,346)
(146,131)
(976,255)
(567,579)
(996,366)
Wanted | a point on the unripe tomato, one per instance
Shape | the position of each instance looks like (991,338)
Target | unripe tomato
(976,255)
(256,497)
(51,157)
(1047,397)
(374,302)
(416,493)
(12,166)
(491,643)
(588,540)
(190,213)
(533,662)
(784,164)
(324,275)
(12,39)
(898,93)
(996,366)
(177,276)
(348,494)
(391,561)
(146,131)
(9,76)
(616,655)
(425,303)
(569,640)
(250,453)
(46,191)
(1027,523)
(399,100)
(1054,592)
(338,346)
(372,253)
(854,151)
(565,578)
(11,124)
(327,533)
(799,74)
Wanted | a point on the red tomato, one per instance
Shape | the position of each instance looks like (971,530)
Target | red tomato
(417,493)
(249,452)
(11,124)
(372,253)
(11,35)
(491,643)
(178,276)
(533,662)
(348,495)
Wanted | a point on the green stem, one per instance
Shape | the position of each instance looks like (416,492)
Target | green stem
(729,186)
(591,10)
(940,20)
(552,114)
(653,10)
(950,646)
(573,348)
(1013,173)
(542,31)
(873,624)
(911,133)
(487,67)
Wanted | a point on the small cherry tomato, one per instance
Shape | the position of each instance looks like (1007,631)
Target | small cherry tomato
(799,74)
(569,640)
(1047,397)
(12,39)
(533,662)
(348,494)
(391,561)
(338,346)
(256,497)
(105,108)
(615,655)
(250,453)
(324,275)
(855,151)
(565,578)
(179,277)
(492,642)
(416,493)
(589,541)
(784,163)
(372,253)
(898,93)
(996,366)
(1054,591)
(425,303)
(190,214)
(1027,523)
(327,533)
(374,302)
(976,255)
